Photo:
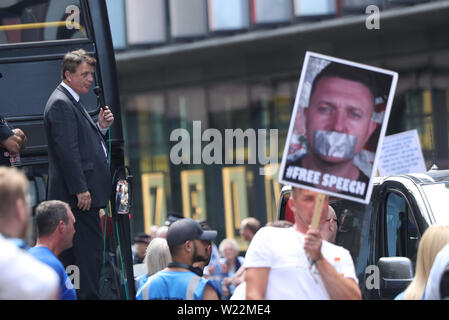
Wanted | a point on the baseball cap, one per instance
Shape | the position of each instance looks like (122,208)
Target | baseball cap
(143,238)
(188,229)
(173,216)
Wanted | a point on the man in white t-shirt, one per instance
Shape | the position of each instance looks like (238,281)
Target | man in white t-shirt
(295,263)
(22,277)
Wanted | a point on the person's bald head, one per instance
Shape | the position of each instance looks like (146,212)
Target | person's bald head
(329,227)
(331,213)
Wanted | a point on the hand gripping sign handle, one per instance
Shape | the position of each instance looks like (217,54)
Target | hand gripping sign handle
(316,218)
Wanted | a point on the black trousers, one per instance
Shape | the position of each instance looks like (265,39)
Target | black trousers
(86,253)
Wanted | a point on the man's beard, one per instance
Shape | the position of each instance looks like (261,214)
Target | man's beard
(199,258)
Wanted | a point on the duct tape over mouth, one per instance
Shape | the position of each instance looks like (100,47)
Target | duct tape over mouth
(334,144)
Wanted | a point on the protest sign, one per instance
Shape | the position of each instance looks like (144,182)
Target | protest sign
(337,126)
(401,154)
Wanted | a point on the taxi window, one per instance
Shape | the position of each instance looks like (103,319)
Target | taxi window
(401,231)
(41,20)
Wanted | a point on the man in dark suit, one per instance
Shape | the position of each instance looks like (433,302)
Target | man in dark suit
(78,166)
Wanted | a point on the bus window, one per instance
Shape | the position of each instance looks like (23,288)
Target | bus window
(41,20)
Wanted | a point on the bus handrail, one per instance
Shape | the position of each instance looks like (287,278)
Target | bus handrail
(39,25)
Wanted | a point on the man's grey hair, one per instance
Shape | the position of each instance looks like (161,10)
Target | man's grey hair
(48,215)
(73,59)
(223,243)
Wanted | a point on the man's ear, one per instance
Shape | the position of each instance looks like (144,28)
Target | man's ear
(188,246)
(67,75)
(61,226)
(331,225)
(291,202)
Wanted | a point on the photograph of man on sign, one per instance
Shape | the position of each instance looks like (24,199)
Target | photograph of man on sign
(338,122)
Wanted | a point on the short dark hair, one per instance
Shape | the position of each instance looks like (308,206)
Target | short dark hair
(48,215)
(176,250)
(377,83)
(73,59)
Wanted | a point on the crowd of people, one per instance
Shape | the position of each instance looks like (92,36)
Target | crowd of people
(221,266)
(36,274)
(79,183)
(180,260)
(284,260)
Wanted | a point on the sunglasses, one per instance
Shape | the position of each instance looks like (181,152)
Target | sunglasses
(336,221)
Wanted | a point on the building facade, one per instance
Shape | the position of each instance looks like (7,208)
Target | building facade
(237,66)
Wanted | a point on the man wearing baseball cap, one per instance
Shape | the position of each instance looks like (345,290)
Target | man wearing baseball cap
(188,244)
(141,242)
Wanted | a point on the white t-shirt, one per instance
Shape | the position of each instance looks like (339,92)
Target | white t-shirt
(290,276)
(22,277)
(239,292)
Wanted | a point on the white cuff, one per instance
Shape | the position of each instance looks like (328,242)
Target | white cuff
(103,131)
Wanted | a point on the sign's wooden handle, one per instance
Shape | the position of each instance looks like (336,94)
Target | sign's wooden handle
(317,211)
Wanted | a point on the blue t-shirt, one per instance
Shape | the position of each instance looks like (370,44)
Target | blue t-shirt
(45,255)
(173,285)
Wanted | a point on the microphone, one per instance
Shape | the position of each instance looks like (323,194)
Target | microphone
(99,93)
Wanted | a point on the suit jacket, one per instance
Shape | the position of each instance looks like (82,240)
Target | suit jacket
(77,161)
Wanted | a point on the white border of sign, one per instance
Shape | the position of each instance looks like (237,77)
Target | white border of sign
(296,108)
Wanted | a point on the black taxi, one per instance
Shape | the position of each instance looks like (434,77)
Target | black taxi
(383,235)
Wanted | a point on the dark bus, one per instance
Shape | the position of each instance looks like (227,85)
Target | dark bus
(34,36)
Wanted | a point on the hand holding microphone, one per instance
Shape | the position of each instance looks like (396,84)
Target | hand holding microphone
(105,117)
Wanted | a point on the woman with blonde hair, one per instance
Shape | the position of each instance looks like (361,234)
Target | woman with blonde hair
(432,241)
(157,258)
